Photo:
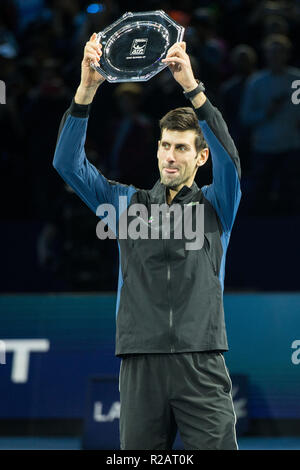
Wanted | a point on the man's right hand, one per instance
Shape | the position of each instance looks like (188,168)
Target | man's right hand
(90,78)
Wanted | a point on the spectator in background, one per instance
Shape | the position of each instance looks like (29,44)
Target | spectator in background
(40,53)
(67,19)
(276,25)
(274,17)
(209,49)
(99,17)
(28,12)
(243,59)
(68,256)
(44,104)
(285,9)
(274,120)
(12,161)
(130,140)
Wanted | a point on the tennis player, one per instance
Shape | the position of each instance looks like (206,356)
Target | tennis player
(170,327)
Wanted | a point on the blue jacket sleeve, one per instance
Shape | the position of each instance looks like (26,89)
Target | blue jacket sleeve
(71,163)
(224,193)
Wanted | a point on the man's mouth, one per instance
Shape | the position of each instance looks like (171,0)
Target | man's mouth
(170,171)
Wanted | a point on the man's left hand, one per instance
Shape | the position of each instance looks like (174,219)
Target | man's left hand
(180,66)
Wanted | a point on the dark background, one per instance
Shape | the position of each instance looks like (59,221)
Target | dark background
(48,236)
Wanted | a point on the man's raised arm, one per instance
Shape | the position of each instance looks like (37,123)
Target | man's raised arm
(70,159)
(224,193)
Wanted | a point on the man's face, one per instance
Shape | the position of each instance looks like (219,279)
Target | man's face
(177,158)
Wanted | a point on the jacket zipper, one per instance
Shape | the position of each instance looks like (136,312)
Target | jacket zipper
(168,290)
(169,278)
(171,310)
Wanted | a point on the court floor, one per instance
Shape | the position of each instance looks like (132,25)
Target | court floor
(71,443)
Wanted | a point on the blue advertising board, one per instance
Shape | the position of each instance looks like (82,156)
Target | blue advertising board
(55,343)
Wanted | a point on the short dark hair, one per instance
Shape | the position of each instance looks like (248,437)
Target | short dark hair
(183,119)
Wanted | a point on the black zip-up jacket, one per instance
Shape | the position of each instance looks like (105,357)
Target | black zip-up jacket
(170,297)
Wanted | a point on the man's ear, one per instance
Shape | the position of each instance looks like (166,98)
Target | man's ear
(158,144)
(202,157)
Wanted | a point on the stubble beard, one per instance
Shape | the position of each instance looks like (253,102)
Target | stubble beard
(171,182)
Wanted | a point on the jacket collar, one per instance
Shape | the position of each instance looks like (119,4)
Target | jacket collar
(158,193)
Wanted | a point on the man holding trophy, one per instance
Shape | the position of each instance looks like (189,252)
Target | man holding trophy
(170,332)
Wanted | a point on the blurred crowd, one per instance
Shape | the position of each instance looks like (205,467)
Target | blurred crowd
(243,50)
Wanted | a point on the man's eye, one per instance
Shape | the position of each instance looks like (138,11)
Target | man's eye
(181,148)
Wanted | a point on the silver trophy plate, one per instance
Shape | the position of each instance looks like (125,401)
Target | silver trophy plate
(134,45)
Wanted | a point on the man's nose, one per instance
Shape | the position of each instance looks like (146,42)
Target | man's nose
(170,156)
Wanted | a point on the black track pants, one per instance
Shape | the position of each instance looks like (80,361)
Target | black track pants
(189,391)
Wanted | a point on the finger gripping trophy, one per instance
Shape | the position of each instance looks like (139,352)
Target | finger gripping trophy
(134,46)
